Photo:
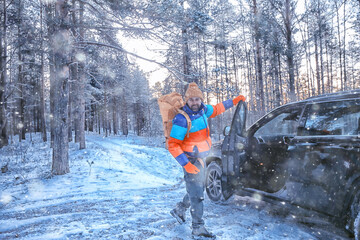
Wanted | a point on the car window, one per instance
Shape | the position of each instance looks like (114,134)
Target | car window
(335,118)
(285,123)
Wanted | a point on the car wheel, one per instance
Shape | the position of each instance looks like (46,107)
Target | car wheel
(213,182)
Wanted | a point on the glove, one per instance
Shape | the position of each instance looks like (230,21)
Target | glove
(238,99)
(190,168)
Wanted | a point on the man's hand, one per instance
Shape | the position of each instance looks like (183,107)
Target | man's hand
(190,168)
(238,99)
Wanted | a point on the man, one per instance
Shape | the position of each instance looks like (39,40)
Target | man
(190,150)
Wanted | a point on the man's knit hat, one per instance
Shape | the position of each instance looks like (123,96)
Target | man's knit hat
(193,91)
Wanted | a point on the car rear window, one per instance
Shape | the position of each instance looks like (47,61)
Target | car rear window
(332,118)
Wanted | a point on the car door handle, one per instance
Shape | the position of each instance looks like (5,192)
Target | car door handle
(287,139)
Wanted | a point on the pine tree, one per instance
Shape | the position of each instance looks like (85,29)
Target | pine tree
(61,43)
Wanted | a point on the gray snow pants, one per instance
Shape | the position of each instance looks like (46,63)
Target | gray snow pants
(195,185)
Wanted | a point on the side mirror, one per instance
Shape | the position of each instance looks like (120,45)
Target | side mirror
(227,131)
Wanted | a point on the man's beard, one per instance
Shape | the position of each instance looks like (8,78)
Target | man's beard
(195,107)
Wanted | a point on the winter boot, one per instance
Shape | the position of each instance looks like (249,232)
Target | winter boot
(178,214)
(201,233)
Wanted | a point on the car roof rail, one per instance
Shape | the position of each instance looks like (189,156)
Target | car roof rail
(340,93)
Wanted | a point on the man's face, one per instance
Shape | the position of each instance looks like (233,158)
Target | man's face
(194,103)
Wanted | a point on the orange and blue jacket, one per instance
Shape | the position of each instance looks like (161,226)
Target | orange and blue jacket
(198,143)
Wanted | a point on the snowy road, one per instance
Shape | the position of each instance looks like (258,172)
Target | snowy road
(126,193)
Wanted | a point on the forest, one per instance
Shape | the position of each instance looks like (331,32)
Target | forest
(66,70)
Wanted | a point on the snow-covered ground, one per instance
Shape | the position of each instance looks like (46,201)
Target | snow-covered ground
(122,188)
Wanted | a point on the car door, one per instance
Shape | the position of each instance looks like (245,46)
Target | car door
(232,151)
(266,148)
(325,155)
(254,159)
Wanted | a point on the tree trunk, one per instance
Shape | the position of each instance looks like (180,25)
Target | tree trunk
(62,48)
(251,91)
(322,66)
(280,79)
(340,50)
(307,55)
(42,84)
(206,74)
(82,83)
(198,61)
(217,91)
(235,69)
(228,83)
(265,80)
(321,51)
(328,73)
(260,84)
(186,56)
(51,32)
(99,121)
(73,95)
(91,118)
(317,64)
(290,50)
(74,83)
(52,96)
(275,74)
(124,115)
(137,118)
(115,116)
(331,72)
(22,124)
(344,47)
(3,78)
(105,110)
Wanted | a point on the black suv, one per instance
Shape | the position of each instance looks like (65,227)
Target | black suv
(305,154)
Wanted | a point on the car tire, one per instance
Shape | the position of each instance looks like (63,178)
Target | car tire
(213,182)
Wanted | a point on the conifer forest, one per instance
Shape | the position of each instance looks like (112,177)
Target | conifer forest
(68,66)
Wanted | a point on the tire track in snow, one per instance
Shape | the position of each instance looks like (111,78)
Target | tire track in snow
(120,213)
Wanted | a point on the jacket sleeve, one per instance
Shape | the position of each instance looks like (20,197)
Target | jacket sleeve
(215,110)
(177,135)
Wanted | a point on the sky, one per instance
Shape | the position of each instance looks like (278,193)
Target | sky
(147,49)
